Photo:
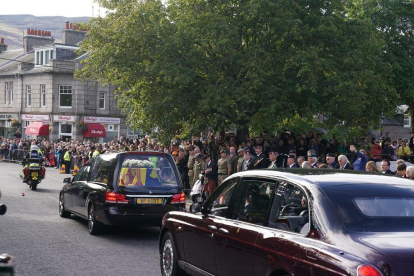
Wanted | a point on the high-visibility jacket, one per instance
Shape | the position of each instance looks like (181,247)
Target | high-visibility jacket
(95,153)
(66,157)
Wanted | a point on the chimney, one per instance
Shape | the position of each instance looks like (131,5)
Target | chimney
(72,35)
(36,38)
(3,47)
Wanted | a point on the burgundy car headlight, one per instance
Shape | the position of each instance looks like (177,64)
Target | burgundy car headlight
(368,270)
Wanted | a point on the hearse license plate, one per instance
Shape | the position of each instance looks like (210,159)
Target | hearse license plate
(34,174)
(149,200)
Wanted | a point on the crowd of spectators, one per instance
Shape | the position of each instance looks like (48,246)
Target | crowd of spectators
(221,154)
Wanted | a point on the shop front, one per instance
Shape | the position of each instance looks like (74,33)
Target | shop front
(6,129)
(65,124)
(109,130)
(35,126)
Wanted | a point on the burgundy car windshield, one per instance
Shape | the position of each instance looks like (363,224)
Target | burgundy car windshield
(141,171)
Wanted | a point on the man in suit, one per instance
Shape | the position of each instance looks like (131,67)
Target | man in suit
(233,160)
(291,162)
(247,163)
(344,163)
(272,157)
(330,159)
(261,161)
(385,167)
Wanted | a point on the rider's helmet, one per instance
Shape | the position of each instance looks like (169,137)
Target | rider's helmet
(34,147)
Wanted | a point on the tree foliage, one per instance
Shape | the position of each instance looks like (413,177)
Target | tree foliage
(188,64)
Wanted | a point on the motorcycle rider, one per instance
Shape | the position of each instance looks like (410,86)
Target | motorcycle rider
(35,153)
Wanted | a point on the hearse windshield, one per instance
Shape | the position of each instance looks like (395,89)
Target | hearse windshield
(374,208)
(140,171)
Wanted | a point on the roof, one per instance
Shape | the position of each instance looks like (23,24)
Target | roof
(328,177)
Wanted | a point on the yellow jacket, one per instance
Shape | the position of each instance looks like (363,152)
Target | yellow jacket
(404,151)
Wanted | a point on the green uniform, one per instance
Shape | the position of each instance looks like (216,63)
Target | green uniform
(223,164)
(239,162)
(199,166)
(190,165)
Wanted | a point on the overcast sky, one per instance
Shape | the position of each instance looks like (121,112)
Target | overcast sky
(68,8)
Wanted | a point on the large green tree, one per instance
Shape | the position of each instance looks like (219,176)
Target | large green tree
(261,65)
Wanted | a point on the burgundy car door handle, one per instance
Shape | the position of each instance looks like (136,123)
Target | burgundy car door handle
(212,227)
(222,230)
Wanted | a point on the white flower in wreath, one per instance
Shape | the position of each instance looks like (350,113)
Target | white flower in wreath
(133,163)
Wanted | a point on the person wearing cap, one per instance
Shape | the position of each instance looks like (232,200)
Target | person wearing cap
(312,158)
(240,155)
(261,161)
(199,166)
(247,163)
(362,160)
(211,175)
(291,162)
(233,158)
(272,157)
(224,167)
(330,159)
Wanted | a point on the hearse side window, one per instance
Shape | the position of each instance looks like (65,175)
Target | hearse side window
(220,200)
(290,211)
(82,175)
(253,201)
(102,170)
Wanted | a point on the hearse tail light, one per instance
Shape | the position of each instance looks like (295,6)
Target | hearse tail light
(115,198)
(178,198)
(368,270)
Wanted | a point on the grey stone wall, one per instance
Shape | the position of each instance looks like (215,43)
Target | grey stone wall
(396,132)
(35,81)
(71,37)
(31,41)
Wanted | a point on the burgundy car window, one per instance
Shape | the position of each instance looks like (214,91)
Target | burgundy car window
(289,211)
(385,207)
(253,201)
(220,200)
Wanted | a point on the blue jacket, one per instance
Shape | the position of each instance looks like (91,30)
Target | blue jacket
(361,162)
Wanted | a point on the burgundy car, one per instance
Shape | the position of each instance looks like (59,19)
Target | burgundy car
(296,222)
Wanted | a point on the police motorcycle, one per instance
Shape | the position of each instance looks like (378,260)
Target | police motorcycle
(197,194)
(33,169)
(6,261)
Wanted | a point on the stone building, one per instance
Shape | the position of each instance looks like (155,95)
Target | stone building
(37,87)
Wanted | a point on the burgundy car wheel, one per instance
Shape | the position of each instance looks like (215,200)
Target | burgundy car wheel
(169,263)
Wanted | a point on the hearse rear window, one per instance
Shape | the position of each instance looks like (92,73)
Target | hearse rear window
(140,171)
(385,207)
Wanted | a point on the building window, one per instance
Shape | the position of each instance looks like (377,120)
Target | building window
(101,100)
(47,57)
(407,120)
(11,92)
(65,96)
(43,95)
(6,88)
(37,58)
(41,58)
(28,95)
(52,52)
